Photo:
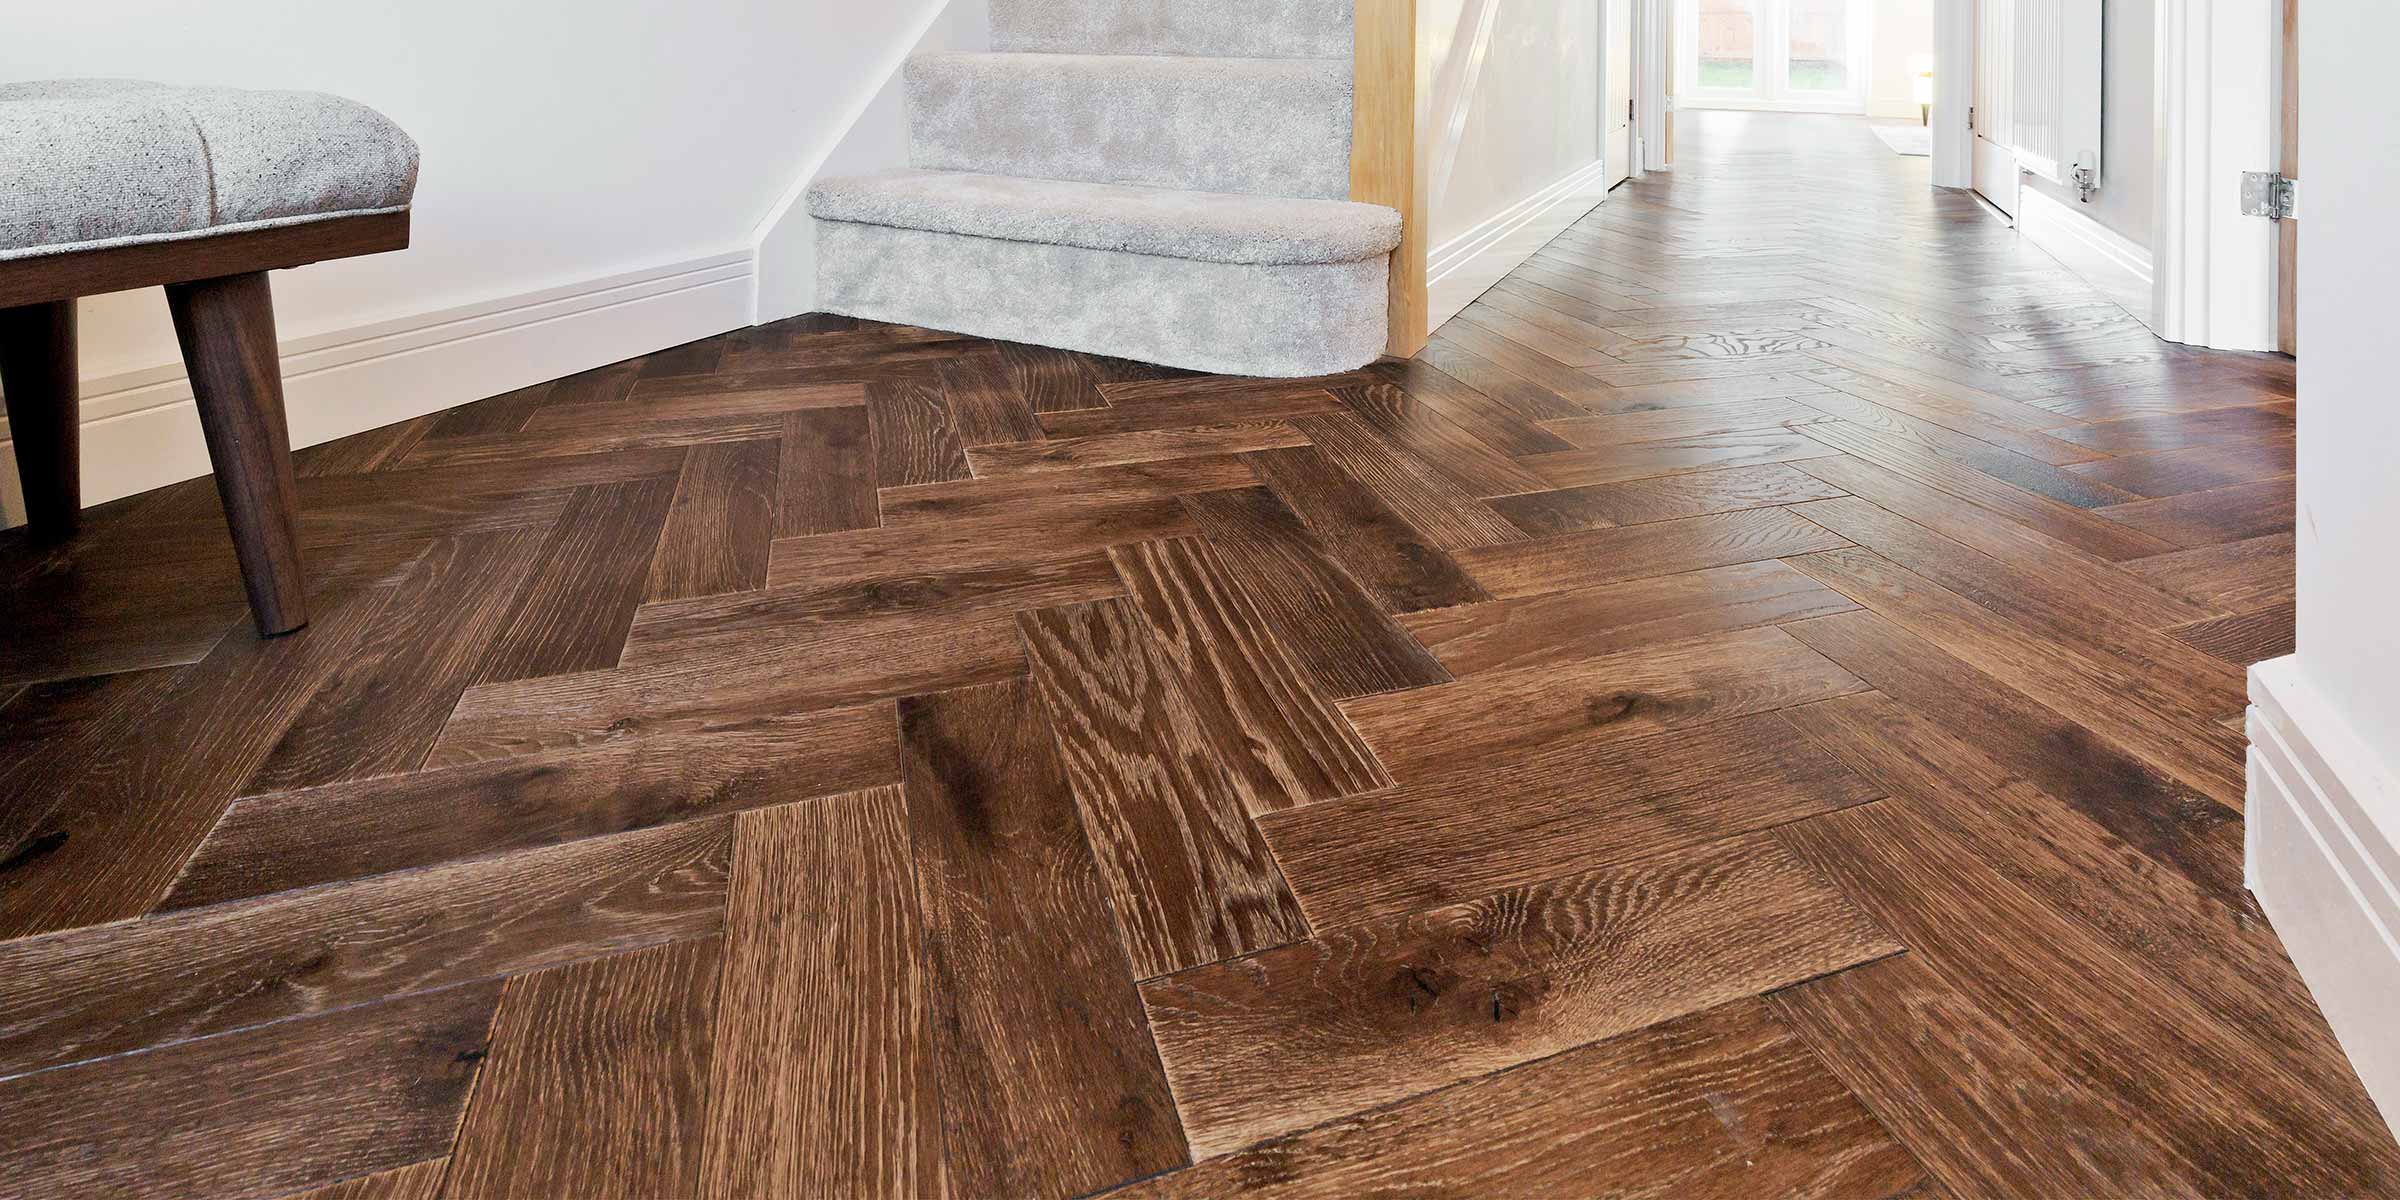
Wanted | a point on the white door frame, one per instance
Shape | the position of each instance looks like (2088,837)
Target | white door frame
(1650,68)
(1772,90)
(1953,91)
(2219,93)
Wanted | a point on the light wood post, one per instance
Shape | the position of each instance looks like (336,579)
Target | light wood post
(1388,165)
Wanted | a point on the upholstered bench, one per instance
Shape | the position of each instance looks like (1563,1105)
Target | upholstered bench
(111,184)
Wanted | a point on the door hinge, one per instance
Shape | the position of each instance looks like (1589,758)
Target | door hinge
(2270,195)
(1629,110)
(1971,117)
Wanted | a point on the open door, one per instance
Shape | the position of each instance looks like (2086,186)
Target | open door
(1616,99)
(1995,52)
(2287,231)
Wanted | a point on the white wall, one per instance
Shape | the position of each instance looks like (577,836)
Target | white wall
(1902,28)
(2127,202)
(595,174)
(1528,154)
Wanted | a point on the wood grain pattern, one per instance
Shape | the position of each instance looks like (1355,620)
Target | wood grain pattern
(1063,492)
(1663,1111)
(1572,805)
(1035,1102)
(1675,456)
(834,1094)
(1587,622)
(375,826)
(985,406)
(93,992)
(1448,515)
(253,1114)
(1665,498)
(596,1081)
(1147,445)
(1345,642)
(1381,550)
(827,473)
(583,584)
(1499,713)
(913,436)
(416,1181)
(1188,875)
(1367,1015)
(1602,556)
(716,531)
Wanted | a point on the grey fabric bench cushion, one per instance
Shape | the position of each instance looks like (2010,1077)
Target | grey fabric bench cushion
(88,164)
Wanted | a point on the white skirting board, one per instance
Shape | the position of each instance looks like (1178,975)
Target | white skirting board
(2324,860)
(1468,265)
(2117,266)
(141,431)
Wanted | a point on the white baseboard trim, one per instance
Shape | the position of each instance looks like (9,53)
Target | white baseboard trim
(1468,265)
(2119,267)
(2324,860)
(141,431)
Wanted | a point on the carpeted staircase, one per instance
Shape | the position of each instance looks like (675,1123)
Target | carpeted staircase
(1159,180)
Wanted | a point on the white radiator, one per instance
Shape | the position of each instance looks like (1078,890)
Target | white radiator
(2054,112)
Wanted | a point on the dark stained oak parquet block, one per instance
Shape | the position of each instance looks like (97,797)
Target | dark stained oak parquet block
(1675,456)
(914,438)
(1663,498)
(376,826)
(1342,638)
(1050,1084)
(1140,446)
(1498,714)
(583,584)
(1376,545)
(834,1094)
(596,1083)
(1614,555)
(1367,1015)
(1059,493)
(1665,1111)
(261,1113)
(1571,806)
(718,526)
(828,472)
(87,993)
(1167,818)
(416,1181)
(1447,514)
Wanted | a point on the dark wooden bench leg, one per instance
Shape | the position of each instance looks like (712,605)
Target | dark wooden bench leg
(227,327)
(37,370)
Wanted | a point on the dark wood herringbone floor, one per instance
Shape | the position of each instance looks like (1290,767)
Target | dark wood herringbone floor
(1751,711)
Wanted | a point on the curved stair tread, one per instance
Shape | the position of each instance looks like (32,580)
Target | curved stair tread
(1204,226)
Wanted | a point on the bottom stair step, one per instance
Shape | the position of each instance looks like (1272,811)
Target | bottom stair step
(1241,285)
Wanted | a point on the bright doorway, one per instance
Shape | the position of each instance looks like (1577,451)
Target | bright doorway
(1791,55)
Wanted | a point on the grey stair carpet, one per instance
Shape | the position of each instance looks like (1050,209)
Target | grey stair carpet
(1223,28)
(1158,180)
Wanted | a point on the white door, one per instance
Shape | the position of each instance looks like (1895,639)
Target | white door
(1616,100)
(1995,49)
(1797,55)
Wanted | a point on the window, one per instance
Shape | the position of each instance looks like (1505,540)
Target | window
(1796,54)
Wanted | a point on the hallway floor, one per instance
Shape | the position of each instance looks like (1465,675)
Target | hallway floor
(1754,710)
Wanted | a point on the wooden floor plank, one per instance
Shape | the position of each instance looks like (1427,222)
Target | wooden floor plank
(1368,1015)
(119,831)
(1663,1111)
(1494,715)
(1666,498)
(1644,460)
(720,522)
(2197,468)
(582,585)
(2081,1004)
(1341,637)
(1050,380)
(2233,577)
(2213,517)
(354,830)
(1169,825)
(1602,556)
(1430,413)
(89,993)
(913,437)
(416,1181)
(2077,527)
(1571,806)
(2244,639)
(1456,353)
(985,405)
(1263,403)
(1022,534)
(596,1084)
(260,1113)
(1977,1105)
(1667,424)
(1140,446)
(823,1064)
(850,663)
(382,711)
(1036,1102)
(1448,515)
(1061,492)
(827,473)
(1587,622)
(2103,691)
(1380,549)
